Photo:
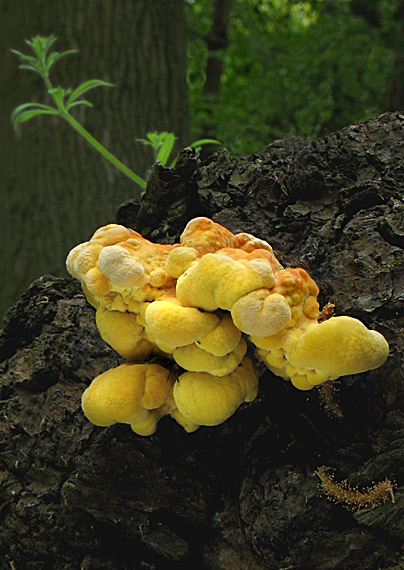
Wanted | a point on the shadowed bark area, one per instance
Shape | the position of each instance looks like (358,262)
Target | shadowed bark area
(242,495)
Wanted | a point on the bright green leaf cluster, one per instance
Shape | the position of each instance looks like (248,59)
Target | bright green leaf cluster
(41,63)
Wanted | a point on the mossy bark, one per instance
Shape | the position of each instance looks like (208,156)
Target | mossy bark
(242,495)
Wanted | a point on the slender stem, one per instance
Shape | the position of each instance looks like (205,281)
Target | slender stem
(93,141)
(105,152)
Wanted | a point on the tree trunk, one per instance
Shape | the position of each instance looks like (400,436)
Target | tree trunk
(53,185)
(216,42)
(242,495)
(394,96)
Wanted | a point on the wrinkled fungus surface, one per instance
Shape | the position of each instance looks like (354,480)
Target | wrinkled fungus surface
(191,303)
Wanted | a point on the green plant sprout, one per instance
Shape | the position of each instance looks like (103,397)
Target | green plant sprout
(66,99)
(162,144)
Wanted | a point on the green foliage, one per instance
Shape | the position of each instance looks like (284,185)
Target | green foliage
(301,68)
(41,61)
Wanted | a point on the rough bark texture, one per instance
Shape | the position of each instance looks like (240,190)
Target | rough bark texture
(53,184)
(242,495)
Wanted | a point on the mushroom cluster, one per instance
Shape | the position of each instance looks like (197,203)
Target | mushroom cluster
(195,303)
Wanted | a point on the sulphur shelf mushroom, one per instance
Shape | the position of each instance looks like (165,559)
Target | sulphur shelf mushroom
(196,304)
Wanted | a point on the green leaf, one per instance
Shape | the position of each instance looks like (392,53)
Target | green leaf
(166,148)
(19,53)
(55,56)
(29,58)
(30,67)
(41,45)
(201,142)
(28,61)
(80,102)
(25,116)
(58,94)
(153,136)
(59,91)
(84,87)
(152,140)
(162,144)
(30,106)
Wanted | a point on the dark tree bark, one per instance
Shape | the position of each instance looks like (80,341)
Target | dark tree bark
(242,495)
(53,185)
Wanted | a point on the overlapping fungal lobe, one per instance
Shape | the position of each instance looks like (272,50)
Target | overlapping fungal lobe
(205,399)
(119,269)
(197,303)
(134,394)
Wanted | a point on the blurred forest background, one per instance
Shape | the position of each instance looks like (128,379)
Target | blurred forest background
(244,71)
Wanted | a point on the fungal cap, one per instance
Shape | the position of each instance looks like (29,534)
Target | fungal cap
(173,325)
(218,281)
(196,359)
(123,333)
(222,339)
(72,265)
(120,267)
(261,313)
(129,394)
(338,347)
(112,234)
(206,236)
(182,420)
(207,400)
(179,260)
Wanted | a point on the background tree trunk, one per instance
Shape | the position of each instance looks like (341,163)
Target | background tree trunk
(372,12)
(394,96)
(56,190)
(216,42)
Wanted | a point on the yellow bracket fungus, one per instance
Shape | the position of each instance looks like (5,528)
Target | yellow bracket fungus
(338,347)
(174,325)
(204,399)
(124,334)
(261,313)
(218,281)
(221,340)
(192,302)
(135,394)
(197,359)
